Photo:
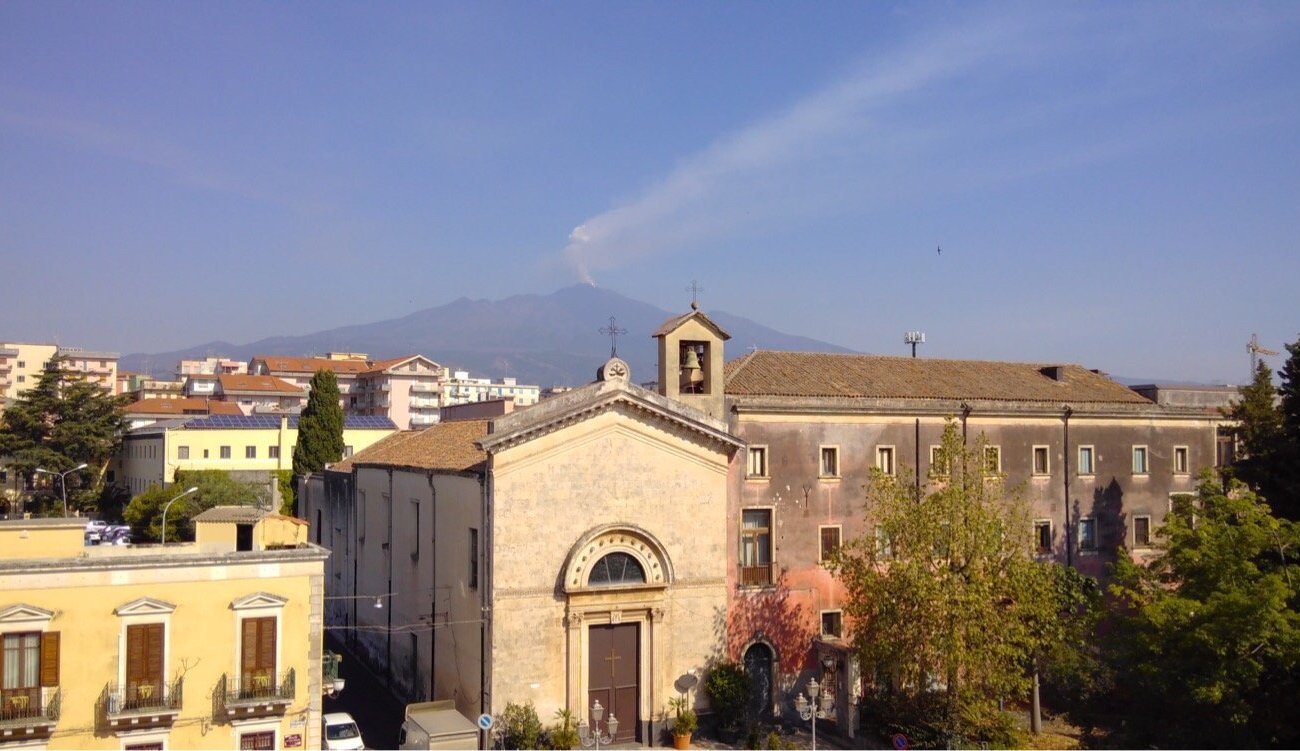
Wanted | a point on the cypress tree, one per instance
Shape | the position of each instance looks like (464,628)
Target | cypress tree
(320,427)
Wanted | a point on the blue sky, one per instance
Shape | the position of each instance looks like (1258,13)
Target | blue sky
(1116,185)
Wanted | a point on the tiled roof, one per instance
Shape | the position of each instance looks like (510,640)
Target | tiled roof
(309,365)
(265,384)
(233,514)
(189,406)
(448,446)
(672,323)
(814,374)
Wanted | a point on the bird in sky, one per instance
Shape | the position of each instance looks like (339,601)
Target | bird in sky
(939,248)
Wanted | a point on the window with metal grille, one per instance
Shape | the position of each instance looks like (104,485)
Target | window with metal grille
(614,569)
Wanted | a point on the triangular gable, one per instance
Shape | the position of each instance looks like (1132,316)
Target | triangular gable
(578,404)
(674,323)
(144,606)
(22,613)
(258,600)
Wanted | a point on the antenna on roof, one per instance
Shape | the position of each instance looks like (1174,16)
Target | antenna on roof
(914,338)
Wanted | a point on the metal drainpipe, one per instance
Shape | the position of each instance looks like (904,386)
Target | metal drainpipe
(1065,466)
(389,667)
(485,595)
(965,413)
(433,583)
(917,466)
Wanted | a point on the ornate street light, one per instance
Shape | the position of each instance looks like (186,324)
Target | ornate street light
(812,710)
(591,736)
(63,482)
(169,505)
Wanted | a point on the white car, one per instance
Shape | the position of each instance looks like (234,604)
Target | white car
(341,732)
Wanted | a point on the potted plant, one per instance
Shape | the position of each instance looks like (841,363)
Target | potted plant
(684,724)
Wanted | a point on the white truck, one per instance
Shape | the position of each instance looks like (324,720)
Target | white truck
(436,725)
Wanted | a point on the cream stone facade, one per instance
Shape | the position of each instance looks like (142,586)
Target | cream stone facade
(211,644)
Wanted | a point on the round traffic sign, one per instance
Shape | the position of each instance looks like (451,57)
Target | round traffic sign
(485,721)
(900,741)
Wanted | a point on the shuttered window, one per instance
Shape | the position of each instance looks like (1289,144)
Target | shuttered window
(257,656)
(50,658)
(144,662)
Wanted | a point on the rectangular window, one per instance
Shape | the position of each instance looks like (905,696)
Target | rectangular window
(205,453)
(1085,460)
(1043,537)
(885,459)
(260,741)
(992,460)
(272,452)
(938,461)
(1087,534)
(1180,460)
(1041,466)
(830,542)
(884,547)
(1139,460)
(347,451)
(832,623)
(473,558)
(755,547)
(757,466)
(830,465)
(415,530)
(257,657)
(250,452)
(1141,532)
(144,665)
(182,452)
(225,452)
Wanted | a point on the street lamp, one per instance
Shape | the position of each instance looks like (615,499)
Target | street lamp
(169,505)
(591,736)
(63,482)
(811,710)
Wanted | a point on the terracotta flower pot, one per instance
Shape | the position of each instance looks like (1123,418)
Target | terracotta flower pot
(682,741)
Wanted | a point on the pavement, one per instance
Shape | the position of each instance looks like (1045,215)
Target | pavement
(367,698)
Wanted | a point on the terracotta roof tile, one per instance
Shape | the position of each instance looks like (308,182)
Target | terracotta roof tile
(814,374)
(265,384)
(187,406)
(671,324)
(448,446)
(309,365)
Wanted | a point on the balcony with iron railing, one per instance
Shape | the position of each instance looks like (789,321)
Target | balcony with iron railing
(256,693)
(28,713)
(142,704)
(756,575)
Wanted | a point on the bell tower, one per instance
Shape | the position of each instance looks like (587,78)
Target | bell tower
(691,360)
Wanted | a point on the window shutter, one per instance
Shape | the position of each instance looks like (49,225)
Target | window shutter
(266,644)
(248,658)
(136,645)
(154,652)
(50,658)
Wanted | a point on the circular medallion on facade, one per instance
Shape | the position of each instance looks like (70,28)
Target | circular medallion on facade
(614,369)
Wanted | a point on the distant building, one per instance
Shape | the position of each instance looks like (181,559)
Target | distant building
(459,388)
(260,394)
(210,644)
(299,370)
(404,389)
(22,363)
(148,411)
(251,448)
(210,366)
(139,386)
(96,367)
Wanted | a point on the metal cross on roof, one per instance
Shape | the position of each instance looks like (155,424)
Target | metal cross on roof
(695,289)
(614,332)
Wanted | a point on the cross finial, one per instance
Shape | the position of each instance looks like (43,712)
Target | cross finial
(614,332)
(695,289)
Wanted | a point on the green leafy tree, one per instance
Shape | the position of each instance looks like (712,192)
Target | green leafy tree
(950,610)
(1258,429)
(320,427)
(215,488)
(1204,649)
(64,420)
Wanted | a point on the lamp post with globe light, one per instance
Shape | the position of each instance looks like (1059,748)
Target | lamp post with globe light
(63,482)
(812,710)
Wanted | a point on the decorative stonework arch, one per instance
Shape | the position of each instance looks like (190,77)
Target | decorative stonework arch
(600,541)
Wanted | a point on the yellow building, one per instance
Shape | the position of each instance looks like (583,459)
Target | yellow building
(210,644)
(250,447)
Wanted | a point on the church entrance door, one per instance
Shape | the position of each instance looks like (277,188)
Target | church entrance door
(613,676)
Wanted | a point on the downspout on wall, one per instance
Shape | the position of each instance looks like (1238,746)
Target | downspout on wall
(1065,455)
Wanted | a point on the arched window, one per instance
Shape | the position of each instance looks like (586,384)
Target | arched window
(616,568)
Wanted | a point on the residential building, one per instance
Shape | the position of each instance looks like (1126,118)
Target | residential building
(96,367)
(459,388)
(140,387)
(210,644)
(260,394)
(210,366)
(571,551)
(252,448)
(404,389)
(21,366)
(1097,461)
(299,370)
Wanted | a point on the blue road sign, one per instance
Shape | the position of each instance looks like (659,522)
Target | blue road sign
(485,721)
(900,741)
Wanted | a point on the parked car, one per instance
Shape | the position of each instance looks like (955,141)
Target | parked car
(340,731)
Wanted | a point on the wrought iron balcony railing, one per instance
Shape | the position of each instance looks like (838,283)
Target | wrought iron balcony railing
(143,698)
(29,706)
(759,575)
(260,687)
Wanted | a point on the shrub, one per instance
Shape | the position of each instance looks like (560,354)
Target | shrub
(520,727)
(563,735)
(685,722)
(729,689)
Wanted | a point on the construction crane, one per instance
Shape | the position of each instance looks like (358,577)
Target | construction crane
(1255,351)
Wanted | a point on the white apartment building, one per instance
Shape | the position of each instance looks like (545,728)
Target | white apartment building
(459,388)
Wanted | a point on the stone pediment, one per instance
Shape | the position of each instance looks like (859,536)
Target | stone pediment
(144,606)
(258,600)
(23,614)
(595,398)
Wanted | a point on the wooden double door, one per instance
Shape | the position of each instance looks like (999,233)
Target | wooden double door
(614,677)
